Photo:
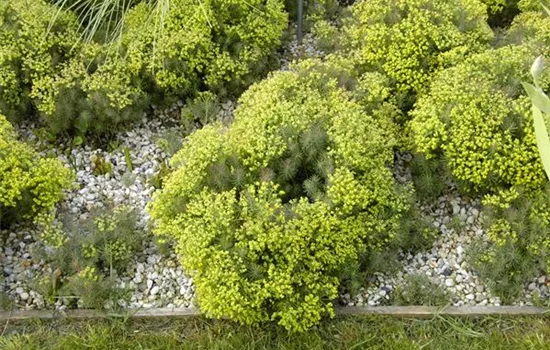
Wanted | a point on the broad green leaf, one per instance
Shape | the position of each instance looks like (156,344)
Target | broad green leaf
(539,98)
(543,141)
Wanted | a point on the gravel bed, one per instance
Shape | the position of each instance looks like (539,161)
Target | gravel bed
(445,263)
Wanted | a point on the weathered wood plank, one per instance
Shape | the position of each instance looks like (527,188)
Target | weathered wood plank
(93,314)
(430,311)
(397,311)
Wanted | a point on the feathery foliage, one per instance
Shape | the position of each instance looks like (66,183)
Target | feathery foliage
(420,290)
(100,20)
(411,40)
(32,53)
(27,188)
(267,212)
(162,52)
(88,254)
(518,249)
(477,117)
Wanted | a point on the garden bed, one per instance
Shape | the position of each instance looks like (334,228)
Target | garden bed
(156,277)
(378,165)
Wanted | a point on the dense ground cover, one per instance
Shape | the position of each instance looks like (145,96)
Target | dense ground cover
(375,332)
(156,155)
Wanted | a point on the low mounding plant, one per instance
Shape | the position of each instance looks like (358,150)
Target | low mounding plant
(476,116)
(268,211)
(45,70)
(215,45)
(32,53)
(95,93)
(409,40)
(519,244)
(221,45)
(518,248)
(88,255)
(93,87)
(30,185)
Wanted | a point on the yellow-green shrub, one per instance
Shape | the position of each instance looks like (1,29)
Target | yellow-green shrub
(518,248)
(73,86)
(529,27)
(477,117)
(214,44)
(219,45)
(409,40)
(31,52)
(95,92)
(30,185)
(532,5)
(267,212)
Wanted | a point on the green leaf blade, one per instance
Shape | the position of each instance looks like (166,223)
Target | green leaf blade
(543,141)
(539,98)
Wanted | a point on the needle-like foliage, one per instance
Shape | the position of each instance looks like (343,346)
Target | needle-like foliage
(267,212)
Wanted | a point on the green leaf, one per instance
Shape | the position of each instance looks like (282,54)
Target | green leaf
(543,141)
(78,140)
(128,159)
(538,97)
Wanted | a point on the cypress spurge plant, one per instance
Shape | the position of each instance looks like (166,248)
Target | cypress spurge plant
(266,213)
(28,191)
(410,40)
(89,254)
(476,118)
(121,55)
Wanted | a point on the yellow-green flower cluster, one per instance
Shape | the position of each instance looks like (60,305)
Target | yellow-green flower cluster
(31,52)
(89,273)
(267,212)
(478,118)
(217,43)
(220,45)
(30,185)
(409,40)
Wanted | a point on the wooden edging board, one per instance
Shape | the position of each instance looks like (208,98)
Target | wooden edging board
(397,311)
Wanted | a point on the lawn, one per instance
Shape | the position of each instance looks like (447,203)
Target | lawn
(370,332)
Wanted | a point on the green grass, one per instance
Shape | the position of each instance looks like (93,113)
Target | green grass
(369,332)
